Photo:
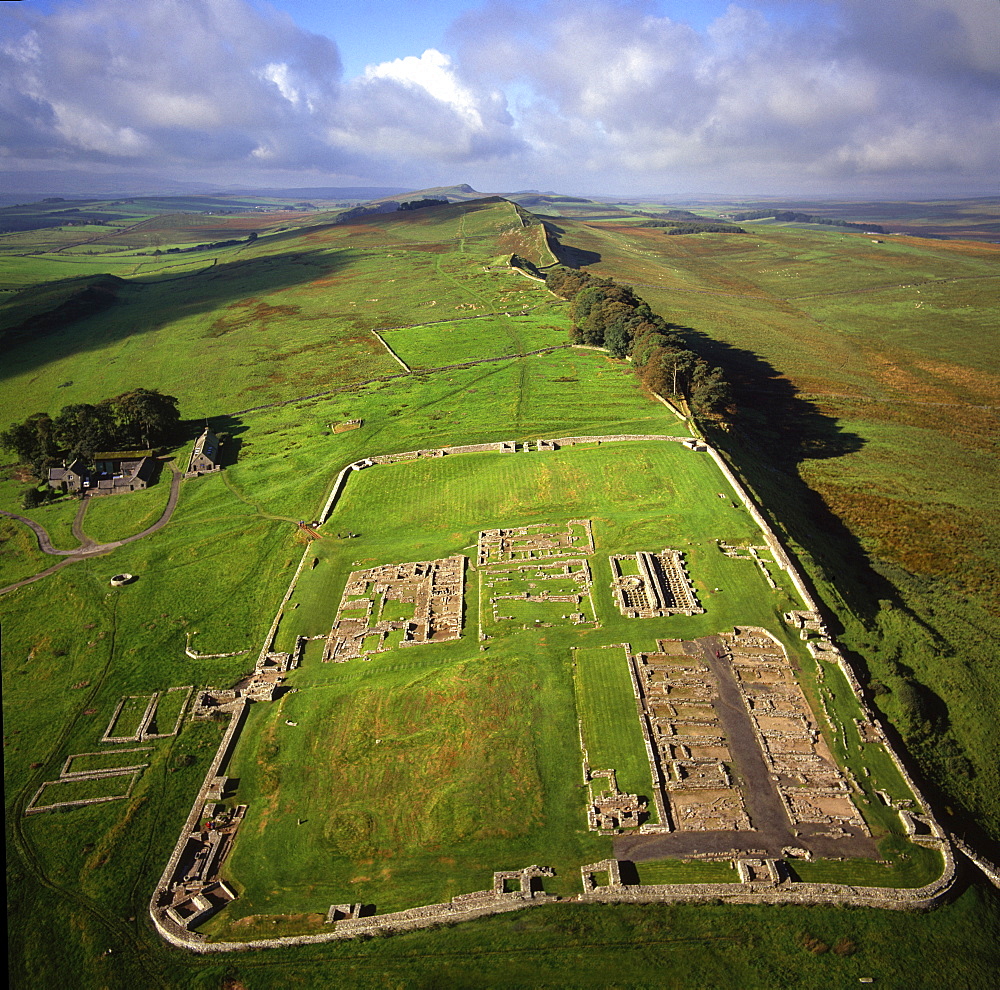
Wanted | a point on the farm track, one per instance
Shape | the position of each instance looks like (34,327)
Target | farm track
(88,548)
(237,494)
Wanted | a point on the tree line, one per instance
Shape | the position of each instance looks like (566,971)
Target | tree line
(793,216)
(140,418)
(692,227)
(607,314)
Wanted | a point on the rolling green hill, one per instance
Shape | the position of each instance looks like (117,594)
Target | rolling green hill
(865,423)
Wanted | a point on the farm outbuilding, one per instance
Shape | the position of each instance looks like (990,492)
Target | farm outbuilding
(205,456)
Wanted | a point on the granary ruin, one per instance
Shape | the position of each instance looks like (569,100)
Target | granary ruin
(648,585)
(398,605)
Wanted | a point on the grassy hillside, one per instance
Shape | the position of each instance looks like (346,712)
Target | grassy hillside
(284,317)
(867,426)
(867,423)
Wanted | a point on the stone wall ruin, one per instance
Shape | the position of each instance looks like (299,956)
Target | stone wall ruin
(435,589)
(690,759)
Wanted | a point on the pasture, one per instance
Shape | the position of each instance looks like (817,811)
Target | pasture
(409,777)
(286,316)
(886,412)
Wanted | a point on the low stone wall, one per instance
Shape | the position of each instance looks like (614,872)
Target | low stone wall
(991,871)
(338,487)
(392,353)
(464,907)
(786,892)
(170,931)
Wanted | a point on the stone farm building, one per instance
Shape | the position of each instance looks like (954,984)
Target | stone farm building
(112,472)
(205,456)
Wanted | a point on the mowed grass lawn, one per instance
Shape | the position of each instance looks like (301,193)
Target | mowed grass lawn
(114,517)
(410,778)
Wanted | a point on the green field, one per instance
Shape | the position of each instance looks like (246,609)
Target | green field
(865,424)
(611,730)
(431,766)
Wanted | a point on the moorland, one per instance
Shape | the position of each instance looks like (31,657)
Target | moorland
(861,416)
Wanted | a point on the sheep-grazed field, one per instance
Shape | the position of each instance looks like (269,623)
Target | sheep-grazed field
(865,426)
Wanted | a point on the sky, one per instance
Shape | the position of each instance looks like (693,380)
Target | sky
(685,98)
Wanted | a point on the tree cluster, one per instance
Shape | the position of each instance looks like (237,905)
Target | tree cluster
(692,227)
(142,418)
(359,212)
(210,247)
(422,204)
(792,216)
(607,314)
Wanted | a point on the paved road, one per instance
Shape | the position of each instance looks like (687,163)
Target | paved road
(87,546)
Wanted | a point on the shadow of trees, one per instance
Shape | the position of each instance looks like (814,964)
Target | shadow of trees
(774,433)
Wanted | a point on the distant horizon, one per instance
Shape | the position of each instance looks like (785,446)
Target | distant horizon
(806,98)
(170,190)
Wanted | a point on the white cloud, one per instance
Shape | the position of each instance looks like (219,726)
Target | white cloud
(603,94)
(898,89)
(222,83)
(433,73)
